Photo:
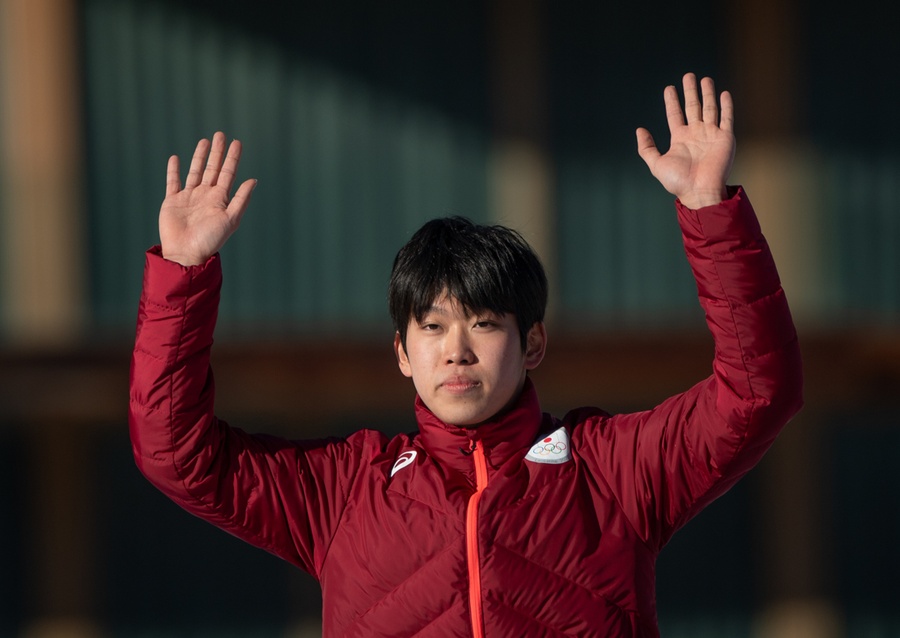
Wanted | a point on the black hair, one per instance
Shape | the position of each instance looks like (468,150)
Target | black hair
(485,268)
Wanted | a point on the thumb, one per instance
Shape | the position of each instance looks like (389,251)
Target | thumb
(646,147)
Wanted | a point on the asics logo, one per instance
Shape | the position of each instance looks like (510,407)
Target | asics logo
(403,460)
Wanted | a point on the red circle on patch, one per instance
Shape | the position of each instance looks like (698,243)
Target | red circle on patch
(547,440)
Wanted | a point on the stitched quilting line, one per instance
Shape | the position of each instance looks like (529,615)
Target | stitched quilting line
(159,306)
(431,506)
(736,333)
(149,355)
(319,565)
(436,618)
(753,399)
(185,293)
(425,626)
(531,618)
(584,588)
(527,498)
(401,584)
(179,468)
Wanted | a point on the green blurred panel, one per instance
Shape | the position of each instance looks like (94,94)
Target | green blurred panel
(621,260)
(886,205)
(346,171)
(860,200)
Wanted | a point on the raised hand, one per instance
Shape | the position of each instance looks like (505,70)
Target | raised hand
(701,151)
(196,220)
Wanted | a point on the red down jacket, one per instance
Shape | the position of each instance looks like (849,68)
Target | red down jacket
(526,526)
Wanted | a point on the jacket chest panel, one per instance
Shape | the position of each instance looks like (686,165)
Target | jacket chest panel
(560,523)
(388,534)
(391,549)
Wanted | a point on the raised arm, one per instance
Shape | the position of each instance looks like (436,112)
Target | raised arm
(283,496)
(667,463)
(196,220)
(696,166)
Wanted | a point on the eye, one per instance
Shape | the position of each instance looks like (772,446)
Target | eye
(486,323)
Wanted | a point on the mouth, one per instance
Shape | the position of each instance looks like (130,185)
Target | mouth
(459,385)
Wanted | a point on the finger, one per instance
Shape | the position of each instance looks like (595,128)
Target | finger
(173,180)
(229,167)
(646,147)
(238,204)
(214,164)
(692,108)
(727,121)
(674,114)
(710,108)
(194,172)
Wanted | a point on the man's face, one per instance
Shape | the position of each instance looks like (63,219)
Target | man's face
(467,368)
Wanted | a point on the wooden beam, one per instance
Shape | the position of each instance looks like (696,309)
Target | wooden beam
(324,381)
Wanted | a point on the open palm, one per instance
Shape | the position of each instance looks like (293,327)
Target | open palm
(197,219)
(701,150)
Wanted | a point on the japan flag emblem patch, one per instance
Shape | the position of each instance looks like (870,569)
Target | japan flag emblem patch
(553,448)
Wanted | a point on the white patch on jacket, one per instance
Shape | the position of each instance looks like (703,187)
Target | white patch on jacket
(552,448)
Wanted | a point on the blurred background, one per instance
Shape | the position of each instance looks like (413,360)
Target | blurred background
(361,121)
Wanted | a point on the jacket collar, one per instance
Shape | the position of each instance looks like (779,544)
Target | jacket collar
(505,436)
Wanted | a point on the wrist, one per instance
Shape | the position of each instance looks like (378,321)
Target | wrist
(703,197)
(184,260)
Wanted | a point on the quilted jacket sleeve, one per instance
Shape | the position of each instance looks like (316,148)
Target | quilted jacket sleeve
(666,464)
(282,496)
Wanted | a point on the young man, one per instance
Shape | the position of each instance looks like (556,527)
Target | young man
(493,519)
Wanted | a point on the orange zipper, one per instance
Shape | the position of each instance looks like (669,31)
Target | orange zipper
(472,541)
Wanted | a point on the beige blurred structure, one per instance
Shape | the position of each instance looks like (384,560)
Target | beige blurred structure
(42,158)
(43,299)
(779,163)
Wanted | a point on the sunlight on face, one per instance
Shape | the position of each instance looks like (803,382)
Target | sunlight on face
(467,367)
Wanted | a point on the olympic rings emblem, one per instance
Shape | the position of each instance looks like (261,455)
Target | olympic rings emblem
(551,448)
(545,449)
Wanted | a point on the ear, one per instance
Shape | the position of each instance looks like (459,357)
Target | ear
(402,357)
(535,345)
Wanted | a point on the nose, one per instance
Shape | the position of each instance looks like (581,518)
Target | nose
(458,348)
